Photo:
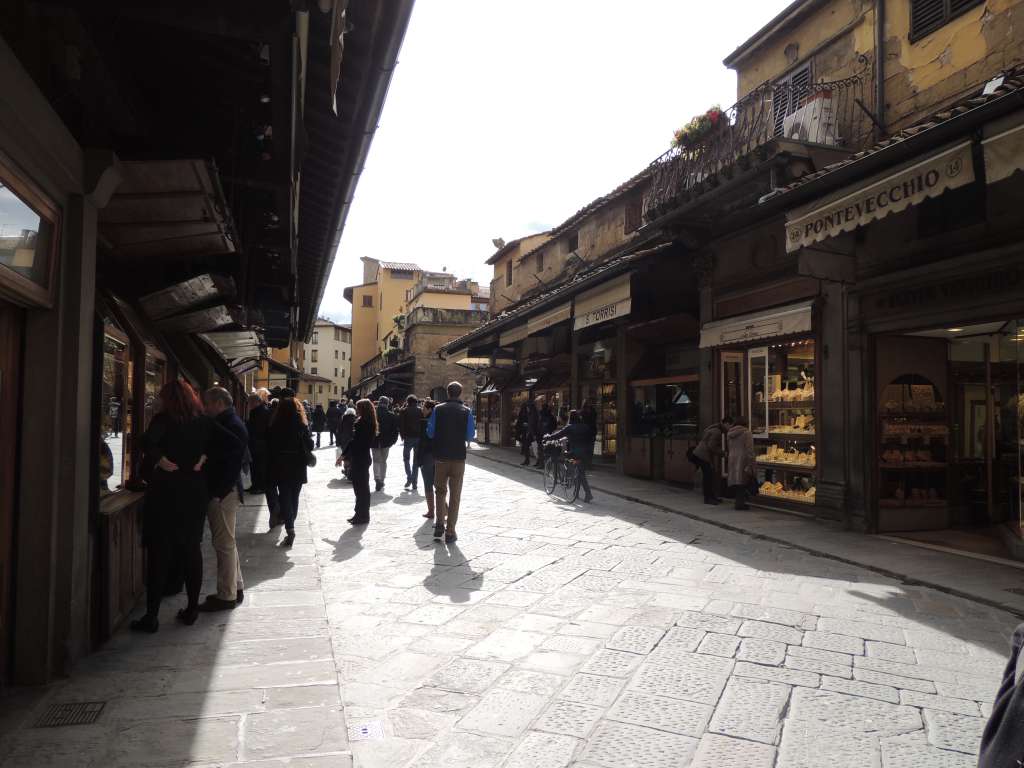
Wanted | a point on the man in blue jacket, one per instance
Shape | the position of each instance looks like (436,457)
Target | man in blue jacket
(222,468)
(451,427)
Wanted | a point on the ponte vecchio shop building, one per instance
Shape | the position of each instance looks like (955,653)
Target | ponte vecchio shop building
(918,242)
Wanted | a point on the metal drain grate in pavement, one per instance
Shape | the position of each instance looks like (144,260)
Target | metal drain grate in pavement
(77,713)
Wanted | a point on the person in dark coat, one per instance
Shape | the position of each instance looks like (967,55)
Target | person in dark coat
(345,429)
(319,422)
(334,414)
(1002,741)
(546,424)
(581,440)
(357,454)
(423,458)
(223,466)
(290,445)
(387,436)
(706,455)
(256,425)
(527,423)
(410,423)
(175,447)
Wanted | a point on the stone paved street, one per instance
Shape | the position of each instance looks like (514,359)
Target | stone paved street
(612,635)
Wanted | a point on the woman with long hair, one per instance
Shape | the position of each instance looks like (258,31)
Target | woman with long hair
(357,452)
(174,451)
(289,444)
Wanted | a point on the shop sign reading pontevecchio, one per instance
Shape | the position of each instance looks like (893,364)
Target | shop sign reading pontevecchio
(896,192)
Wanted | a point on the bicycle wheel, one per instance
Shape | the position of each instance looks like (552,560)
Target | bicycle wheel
(550,475)
(568,487)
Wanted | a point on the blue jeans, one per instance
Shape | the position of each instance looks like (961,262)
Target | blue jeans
(426,467)
(408,446)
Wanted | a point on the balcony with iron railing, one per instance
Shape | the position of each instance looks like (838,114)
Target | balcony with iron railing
(375,365)
(832,115)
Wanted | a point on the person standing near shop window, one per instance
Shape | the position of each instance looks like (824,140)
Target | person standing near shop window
(223,467)
(706,455)
(740,461)
(175,449)
(114,414)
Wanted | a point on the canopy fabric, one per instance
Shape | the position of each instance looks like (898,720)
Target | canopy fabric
(892,192)
(551,317)
(1004,148)
(514,334)
(606,302)
(796,318)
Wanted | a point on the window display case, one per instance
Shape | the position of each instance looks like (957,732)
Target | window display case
(783,419)
(607,423)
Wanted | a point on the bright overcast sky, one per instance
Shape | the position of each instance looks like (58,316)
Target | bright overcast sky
(504,118)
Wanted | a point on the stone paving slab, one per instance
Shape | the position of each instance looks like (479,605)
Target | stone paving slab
(593,636)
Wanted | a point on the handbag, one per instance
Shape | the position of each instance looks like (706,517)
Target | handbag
(308,453)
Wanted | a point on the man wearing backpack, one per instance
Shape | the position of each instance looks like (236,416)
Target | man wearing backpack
(387,423)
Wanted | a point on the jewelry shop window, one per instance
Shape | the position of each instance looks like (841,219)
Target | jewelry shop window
(115,405)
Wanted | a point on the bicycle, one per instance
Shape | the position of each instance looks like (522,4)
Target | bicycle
(561,472)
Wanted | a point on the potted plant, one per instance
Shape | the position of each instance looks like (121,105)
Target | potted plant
(700,127)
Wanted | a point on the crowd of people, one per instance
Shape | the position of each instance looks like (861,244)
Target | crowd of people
(197,449)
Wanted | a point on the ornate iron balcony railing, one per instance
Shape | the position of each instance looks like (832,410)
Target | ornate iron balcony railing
(833,114)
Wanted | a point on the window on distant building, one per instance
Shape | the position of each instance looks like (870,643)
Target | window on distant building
(402,274)
(313,370)
(310,389)
(316,337)
(335,354)
(335,389)
(572,242)
(367,300)
(321,389)
(312,356)
(337,334)
(540,261)
(634,210)
(335,373)
(926,16)
(342,354)
(508,273)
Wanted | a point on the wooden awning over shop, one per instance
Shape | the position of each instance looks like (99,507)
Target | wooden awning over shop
(167,209)
(185,295)
(607,301)
(785,321)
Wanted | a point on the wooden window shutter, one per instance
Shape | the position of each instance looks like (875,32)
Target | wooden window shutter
(790,94)
(928,15)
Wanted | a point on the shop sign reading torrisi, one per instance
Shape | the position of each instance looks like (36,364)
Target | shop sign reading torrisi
(897,192)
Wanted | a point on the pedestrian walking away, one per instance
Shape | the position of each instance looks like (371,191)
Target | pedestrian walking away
(740,461)
(409,428)
(581,440)
(175,449)
(706,455)
(358,454)
(319,422)
(450,427)
(1002,741)
(387,436)
(589,416)
(345,429)
(256,427)
(223,466)
(334,414)
(290,448)
(423,459)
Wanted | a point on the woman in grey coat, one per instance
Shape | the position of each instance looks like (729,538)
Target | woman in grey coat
(740,449)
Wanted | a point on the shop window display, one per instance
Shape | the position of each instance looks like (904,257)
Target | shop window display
(914,435)
(783,418)
(115,409)
(664,409)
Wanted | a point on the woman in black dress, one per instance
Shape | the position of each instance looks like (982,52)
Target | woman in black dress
(290,445)
(174,451)
(357,452)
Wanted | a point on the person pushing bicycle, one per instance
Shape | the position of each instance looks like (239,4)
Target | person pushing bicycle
(581,439)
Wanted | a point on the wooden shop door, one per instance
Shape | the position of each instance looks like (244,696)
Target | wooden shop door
(11,326)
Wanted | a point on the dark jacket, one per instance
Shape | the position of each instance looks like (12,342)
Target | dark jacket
(388,425)
(581,439)
(425,447)
(533,419)
(175,503)
(589,416)
(710,446)
(319,419)
(227,452)
(259,421)
(451,426)
(547,423)
(334,414)
(346,427)
(358,449)
(289,443)
(409,422)
(1002,741)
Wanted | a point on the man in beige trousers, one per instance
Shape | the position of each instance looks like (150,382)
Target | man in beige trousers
(223,467)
